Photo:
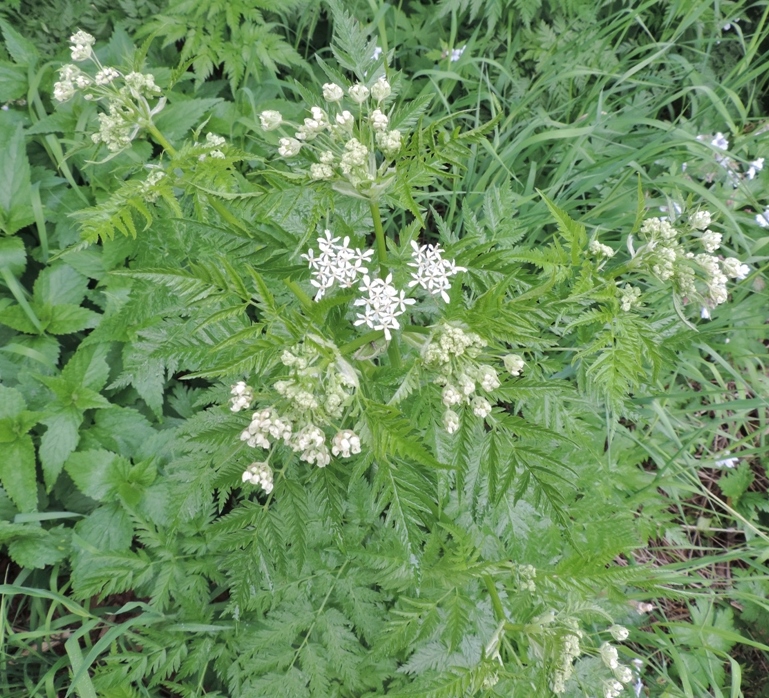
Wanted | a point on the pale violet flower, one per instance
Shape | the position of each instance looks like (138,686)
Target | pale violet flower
(755,167)
(705,312)
(288,147)
(720,141)
(332,92)
(456,54)
(270,119)
(763,218)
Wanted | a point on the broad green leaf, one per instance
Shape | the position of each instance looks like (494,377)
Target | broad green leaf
(58,442)
(96,473)
(15,318)
(88,367)
(12,402)
(66,319)
(22,50)
(177,119)
(17,472)
(15,187)
(13,82)
(13,255)
(107,528)
(60,284)
(38,551)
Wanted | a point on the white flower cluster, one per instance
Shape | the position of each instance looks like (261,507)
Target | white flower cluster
(213,147)
(336,263)
(382,305)
(259,474)
(80,45)
(337,139)
(668,259)
(630,297)
(242,396)
(763,218)
(432,270)
(127,107)
(570,651)
(526,576)
(623,674)
(314,393)
(454,353)
(600,250)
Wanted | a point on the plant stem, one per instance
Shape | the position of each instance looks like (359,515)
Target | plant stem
(161,139)
(381,244)
(393,348)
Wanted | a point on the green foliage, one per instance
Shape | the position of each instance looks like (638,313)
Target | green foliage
(462,561)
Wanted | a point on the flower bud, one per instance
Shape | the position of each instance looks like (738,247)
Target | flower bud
(358,93)
(378,120)
(514,364)
(380,90)
(288,147)
(270,119)
(332,92)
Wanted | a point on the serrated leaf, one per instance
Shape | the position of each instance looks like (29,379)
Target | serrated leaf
(58,442)
(66,319)
(15,186)
(36,552)
(17,472)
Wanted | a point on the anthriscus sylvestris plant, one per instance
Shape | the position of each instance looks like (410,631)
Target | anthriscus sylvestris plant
(399,494)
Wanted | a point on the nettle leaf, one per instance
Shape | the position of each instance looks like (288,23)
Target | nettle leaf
(15,185)
(98,474)
(58,442)
(22,50)
(17,453)
(45,547)
(107,528)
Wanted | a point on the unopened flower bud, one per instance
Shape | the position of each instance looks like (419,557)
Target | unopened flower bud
(271,119)
(288,147)
(380,90)
(332,92)
(358,93)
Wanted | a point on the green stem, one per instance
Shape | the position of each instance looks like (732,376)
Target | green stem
(393,348)
(161,139)
(496,602)
(296,289)
(381,244)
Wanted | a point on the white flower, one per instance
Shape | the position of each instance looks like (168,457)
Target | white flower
(105,76)
(600,250)
(481,407)
(432,271)
(80,45)
(381,89)
(140,84)
(259,474)
(630,296)
(311,441)
(456,54)
(389,142)
(382,306)
(700,220)
(332,92)
(320,171)
(623,673)
(288,147)
(214,140)
(755,167)
(336,263)
(358,93)
(619,632)
(720,141)
(488,378)
(609,655)
(451,396)
(270,119)
(63,90)
(612,689)
(705,313)
(242,394)
(513,364)
(377,53)
(378,120)
(345,120)
(734,269)
(450,421)
(727,462)
(265,423)
(763,218)
(345,443)
(326,157)
(711,241)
